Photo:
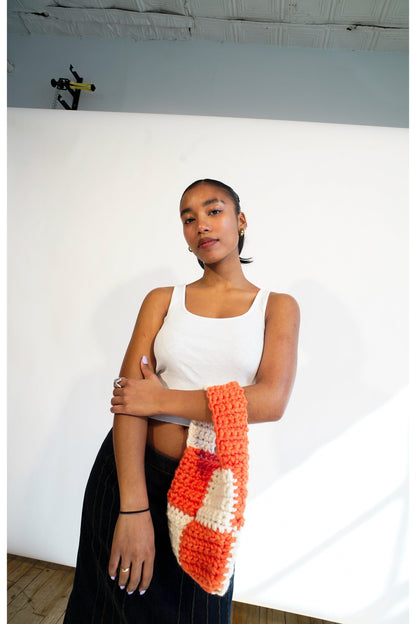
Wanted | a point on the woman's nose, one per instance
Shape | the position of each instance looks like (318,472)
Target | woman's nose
(203,226)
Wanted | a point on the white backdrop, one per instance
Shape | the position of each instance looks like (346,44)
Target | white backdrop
(93,225)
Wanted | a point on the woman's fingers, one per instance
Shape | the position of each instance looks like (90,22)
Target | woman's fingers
(113,563)
(138,575)
(147,573)
(135,576)
(116,400)
(124,573)
(131,574)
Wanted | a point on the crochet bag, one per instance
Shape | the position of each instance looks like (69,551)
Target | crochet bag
(208,493)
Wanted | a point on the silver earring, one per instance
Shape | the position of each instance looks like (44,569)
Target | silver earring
(189,249)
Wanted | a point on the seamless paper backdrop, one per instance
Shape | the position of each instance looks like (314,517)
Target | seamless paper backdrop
(94,225)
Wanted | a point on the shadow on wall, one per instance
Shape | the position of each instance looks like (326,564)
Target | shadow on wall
(329,395)
(391,607)
(81,430)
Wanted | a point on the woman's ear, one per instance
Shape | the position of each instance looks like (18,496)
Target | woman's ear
(242,221)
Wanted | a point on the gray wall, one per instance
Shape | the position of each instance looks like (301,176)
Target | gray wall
(206,78)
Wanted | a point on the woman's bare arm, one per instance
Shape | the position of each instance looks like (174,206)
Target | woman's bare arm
(133,542)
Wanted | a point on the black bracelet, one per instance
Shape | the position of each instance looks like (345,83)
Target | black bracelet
(135,512)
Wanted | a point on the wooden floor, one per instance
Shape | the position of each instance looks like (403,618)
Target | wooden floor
(37,593)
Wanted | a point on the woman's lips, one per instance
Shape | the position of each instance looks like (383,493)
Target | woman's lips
(206,242)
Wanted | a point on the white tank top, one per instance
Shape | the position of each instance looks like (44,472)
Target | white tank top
(194,352)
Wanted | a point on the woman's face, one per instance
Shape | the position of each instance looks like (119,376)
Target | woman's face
(210,224)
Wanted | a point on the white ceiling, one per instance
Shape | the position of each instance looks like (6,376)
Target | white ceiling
(377,25)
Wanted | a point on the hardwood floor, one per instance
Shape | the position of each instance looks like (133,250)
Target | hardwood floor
(37,593)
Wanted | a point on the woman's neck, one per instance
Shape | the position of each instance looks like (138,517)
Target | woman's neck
(224,277)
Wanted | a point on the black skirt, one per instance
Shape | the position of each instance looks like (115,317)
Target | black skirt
(173,597)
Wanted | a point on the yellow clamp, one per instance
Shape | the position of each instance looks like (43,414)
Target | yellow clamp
(85,86)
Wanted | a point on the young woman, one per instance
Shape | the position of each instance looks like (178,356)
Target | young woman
(218,329)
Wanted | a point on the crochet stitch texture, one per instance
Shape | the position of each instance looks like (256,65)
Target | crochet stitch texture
(208,494)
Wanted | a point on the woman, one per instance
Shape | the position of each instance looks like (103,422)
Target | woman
(218,329)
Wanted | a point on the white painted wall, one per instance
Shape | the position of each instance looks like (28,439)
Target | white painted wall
(207,78)
(93,225)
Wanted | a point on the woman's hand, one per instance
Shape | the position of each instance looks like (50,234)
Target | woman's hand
(133,548)
(138,397)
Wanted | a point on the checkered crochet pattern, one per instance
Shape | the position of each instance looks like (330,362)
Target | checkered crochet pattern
(208,494)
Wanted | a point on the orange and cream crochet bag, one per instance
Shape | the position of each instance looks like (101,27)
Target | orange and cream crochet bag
(208,494)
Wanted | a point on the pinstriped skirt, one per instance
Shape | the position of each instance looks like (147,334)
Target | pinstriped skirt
(173,597)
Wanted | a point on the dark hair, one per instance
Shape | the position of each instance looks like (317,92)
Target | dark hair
(237,206)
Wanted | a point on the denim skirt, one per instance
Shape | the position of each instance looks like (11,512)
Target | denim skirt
(173,597)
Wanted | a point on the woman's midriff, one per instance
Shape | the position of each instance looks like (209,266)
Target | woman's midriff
(167,438)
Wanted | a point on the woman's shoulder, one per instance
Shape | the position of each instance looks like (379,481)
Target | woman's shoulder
(282,298)
(158,299)
(159,295)
(282,303)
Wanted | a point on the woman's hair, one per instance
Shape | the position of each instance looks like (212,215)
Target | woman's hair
(235,198)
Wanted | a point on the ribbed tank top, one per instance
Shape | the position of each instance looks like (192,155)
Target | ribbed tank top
(194,352)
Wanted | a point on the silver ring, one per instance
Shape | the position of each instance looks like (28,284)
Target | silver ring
(117,382)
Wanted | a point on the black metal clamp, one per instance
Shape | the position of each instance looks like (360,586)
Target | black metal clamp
(74,88)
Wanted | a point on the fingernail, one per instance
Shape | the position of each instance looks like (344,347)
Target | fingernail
(142,592)
(144,360)
(130,593)
(122,586)
(113,578)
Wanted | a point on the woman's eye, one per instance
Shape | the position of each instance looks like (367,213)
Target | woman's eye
(215,211)
(188,220)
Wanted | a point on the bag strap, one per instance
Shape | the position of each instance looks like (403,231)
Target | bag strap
(228,405)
